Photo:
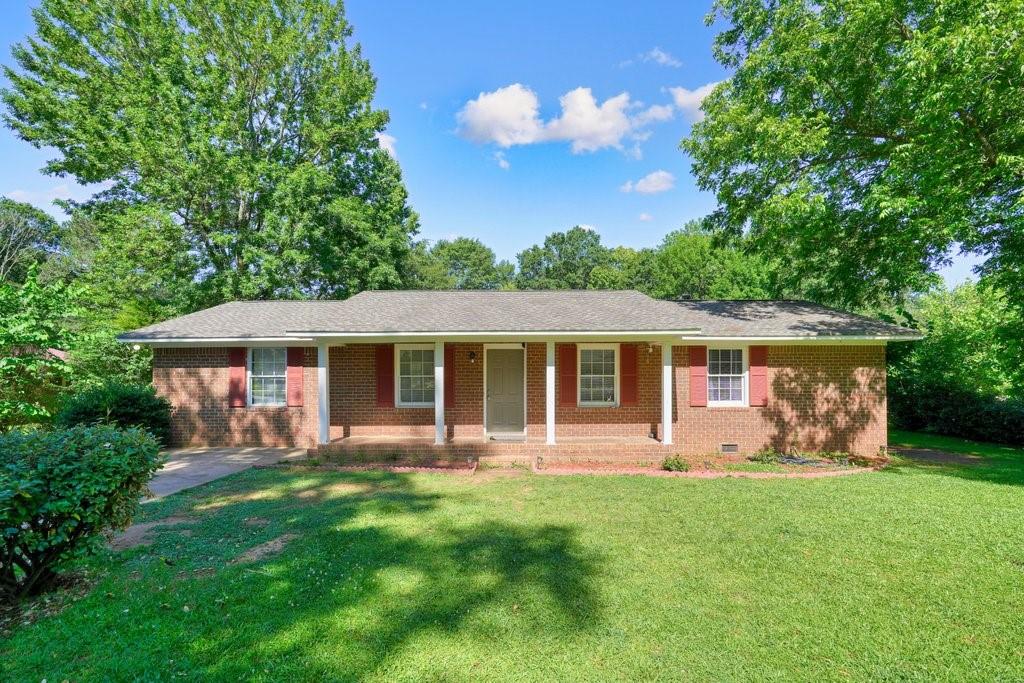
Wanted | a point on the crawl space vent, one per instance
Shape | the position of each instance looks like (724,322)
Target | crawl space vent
(730,448)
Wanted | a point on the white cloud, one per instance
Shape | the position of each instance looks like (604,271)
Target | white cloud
(511,116)
(587,125)
(645,217)
(656,55)
(654,114)
(689,101)
(424,106)
(503,164)
(586,226)
(508,116)
(387,143)
(660,57)
(652,183)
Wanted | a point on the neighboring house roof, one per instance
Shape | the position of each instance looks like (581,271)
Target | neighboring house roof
(484,313)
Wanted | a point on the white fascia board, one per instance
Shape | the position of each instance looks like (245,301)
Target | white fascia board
(513,336)
(823,339)
(217,341)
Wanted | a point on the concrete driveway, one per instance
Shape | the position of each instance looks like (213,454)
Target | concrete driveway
(188,467)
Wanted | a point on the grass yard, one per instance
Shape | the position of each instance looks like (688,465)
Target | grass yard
(916,572)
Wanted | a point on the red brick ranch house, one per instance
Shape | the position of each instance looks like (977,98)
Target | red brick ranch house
(514,375)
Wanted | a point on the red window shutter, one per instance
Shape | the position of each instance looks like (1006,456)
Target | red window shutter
(567,374)
(386,375)
(236,377)
(449,375)
(758,375)
(628,375)
(296,359)
(698,376)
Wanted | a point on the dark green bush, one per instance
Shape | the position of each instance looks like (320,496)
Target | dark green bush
(953,411)
(765,455)
(674,463)
(59,491)
(125,405)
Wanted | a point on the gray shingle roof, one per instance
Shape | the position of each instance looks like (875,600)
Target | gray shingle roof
(509,312)
(781,318)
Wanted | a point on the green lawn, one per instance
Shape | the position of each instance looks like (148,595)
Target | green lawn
(916,572)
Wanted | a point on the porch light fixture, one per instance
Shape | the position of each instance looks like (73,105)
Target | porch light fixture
(472,356)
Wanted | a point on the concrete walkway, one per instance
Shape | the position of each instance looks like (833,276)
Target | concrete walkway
(188,467)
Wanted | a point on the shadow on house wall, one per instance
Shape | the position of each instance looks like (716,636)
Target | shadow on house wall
(818,408)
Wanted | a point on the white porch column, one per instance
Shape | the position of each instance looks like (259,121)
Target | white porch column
(666,393)
(438,392)
(323,404)
(549,393)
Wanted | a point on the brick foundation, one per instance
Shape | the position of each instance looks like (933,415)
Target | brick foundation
(820,397)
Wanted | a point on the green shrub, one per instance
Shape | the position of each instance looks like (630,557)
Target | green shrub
(766,456)
(59,491)
(674,463)
(953,411)
(125,405)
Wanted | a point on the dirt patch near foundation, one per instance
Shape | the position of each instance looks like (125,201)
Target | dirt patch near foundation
(141,534)
(271,547)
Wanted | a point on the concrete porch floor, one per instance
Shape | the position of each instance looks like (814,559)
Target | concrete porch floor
(376,448)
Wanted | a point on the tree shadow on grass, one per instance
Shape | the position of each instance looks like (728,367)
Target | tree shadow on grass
(375,564)
(1005,469)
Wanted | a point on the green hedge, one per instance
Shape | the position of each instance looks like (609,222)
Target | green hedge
(59,491)
(126,405)
(953,411)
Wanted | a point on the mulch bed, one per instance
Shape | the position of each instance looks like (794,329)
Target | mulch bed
(583,468)
(443,467)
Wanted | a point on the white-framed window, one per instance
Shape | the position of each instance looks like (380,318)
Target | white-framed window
(598,374)
(268,376)
(414,375)
(727,377)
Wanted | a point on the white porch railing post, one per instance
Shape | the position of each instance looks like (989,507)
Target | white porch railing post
(439,392)
(666,393)
(549,393)
(323,405)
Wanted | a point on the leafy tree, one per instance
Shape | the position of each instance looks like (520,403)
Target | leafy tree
(965,377)
(237,135)
(462,263)
(861,142)
(625,268)
(565,261)
(33,338)
(692,264)
(27,236)
(969,343)
(97,358)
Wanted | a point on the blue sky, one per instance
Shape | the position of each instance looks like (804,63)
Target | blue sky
(513,120)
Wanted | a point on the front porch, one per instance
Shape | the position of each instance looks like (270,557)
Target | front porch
(388,448)
(500,401)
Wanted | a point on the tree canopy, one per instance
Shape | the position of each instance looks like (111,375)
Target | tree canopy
(565,261)
(863,142)
(27,236)
(237,139)
(461,263)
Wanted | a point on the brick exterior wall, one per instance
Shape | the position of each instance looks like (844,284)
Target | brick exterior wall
(353,397)
(820,397)
(195,380)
